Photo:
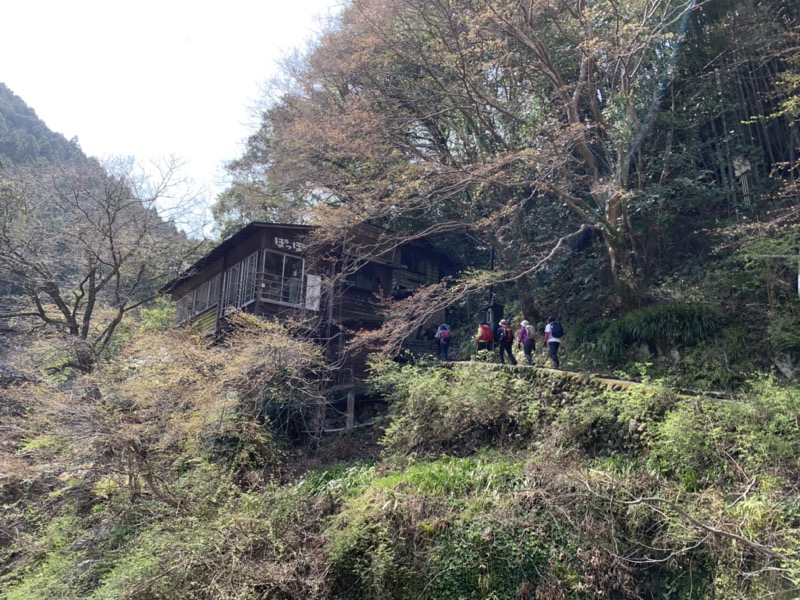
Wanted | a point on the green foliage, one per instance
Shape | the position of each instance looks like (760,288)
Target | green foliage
(609,421)
(702,440)
(657,326)
(783,332)
(368,553)
(26,138)
(427,512)
(205,550)
(479,560)
(52,571)
(456,478)
(435,407)
(159,316)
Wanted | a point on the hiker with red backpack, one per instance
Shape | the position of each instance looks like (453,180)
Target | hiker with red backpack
(484,337)
(443,336)
(505,343)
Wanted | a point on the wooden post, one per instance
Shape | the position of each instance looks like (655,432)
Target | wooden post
(351,409)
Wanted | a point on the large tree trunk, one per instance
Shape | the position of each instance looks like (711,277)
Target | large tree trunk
(617,235)
(626,282)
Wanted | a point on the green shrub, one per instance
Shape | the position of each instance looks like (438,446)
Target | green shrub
(481,560)
(657,326)
(703,439)
(435,407)
(398,535)
(53,569)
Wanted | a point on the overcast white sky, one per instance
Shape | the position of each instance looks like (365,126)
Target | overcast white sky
(152,78)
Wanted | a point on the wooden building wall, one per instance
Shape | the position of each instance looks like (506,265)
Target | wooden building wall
(355,299)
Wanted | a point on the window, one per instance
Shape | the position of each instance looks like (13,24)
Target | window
(203,297)
(232,285)
(364,278)
(185,307)
(283,279)
(415,264)
(249,279)
(213,290)
(240,282)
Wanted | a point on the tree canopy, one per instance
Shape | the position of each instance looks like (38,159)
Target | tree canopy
(81,246)
(528,125)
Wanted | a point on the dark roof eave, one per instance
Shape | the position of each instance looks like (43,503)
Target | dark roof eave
(219,250)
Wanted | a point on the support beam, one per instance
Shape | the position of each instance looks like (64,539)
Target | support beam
(351,410)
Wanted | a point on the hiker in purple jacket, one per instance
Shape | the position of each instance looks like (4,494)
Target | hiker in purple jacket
(526,341)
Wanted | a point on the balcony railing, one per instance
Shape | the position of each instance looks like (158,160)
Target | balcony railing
(281,290)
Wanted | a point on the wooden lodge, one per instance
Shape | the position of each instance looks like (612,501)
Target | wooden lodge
(276,271)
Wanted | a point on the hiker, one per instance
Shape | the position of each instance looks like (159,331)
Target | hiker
(552,337)
(443,336)
(505,338)
(484,337)
(526,340)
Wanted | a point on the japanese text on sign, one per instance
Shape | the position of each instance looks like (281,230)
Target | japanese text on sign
(287,244)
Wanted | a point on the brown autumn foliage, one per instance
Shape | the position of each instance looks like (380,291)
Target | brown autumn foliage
(167,395)
(486,117)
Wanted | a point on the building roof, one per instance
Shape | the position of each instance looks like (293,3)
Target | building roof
(222,248)
(247,231)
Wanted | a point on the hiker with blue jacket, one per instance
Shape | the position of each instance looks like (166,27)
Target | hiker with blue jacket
(443,336)
(552,337)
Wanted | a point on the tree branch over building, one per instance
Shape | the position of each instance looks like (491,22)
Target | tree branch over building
(513,117)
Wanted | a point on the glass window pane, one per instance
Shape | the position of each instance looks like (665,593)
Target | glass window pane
(184,309)
(201,298)
(232,283)
(249,278)
(282,279)
(272,282)
(293,279)
(213,290)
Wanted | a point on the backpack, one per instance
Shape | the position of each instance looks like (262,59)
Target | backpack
(556,330)
(530,332)
(446,335)
(506,334)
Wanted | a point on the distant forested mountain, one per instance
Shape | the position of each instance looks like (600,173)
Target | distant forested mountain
(82,242)
(25,138)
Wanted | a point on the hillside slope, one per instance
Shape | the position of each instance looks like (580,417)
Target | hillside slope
(25,138)
(149,480)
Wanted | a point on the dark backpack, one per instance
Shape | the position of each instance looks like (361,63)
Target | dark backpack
(506,334)
(556,330)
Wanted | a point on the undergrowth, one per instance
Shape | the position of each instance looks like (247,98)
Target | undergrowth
(494,482)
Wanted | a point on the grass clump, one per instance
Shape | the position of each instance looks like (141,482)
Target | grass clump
(659,327)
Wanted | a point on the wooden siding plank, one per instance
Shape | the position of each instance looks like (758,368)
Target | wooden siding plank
(206,322)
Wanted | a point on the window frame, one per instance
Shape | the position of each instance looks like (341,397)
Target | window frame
(205,295)
(284,283)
